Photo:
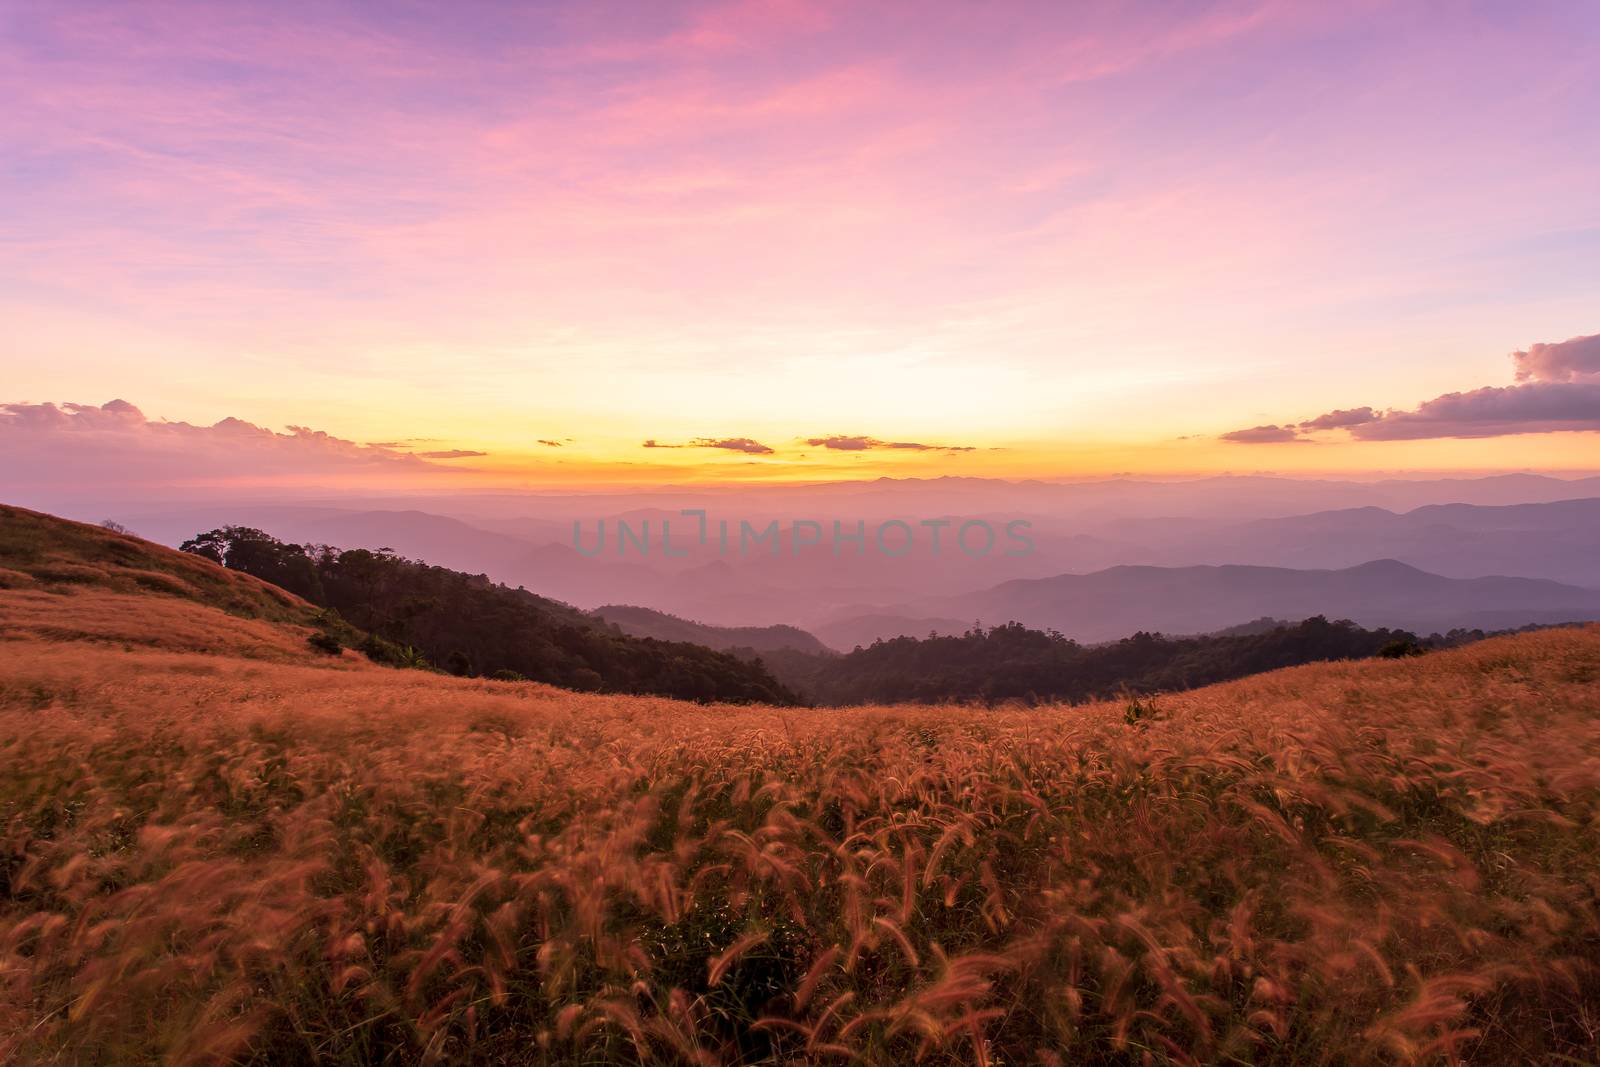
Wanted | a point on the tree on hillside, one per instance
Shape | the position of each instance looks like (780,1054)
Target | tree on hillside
(243,548)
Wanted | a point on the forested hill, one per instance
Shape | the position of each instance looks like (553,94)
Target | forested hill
(467,624)
(1012,662)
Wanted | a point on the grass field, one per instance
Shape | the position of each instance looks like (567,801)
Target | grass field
(218,846)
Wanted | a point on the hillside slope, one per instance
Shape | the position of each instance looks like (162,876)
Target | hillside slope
(213,858)
(65,581)
(42,552)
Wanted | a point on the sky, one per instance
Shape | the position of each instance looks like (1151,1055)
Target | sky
(571,243)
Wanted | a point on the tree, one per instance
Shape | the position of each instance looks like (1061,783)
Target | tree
(243,548)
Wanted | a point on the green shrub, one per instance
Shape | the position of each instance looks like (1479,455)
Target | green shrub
(325,643)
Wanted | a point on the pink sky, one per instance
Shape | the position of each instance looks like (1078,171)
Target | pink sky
(1068,237)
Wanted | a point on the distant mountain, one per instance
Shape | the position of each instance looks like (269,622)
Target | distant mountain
(1118,601)
(1559,540)
(439,539)
(646,622)
(1263,625)
(853,630)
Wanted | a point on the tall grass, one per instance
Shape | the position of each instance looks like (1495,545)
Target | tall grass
(213,859)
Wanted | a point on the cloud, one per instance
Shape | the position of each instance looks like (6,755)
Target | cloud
(1559,391)
(1494,411)
(858,443)
(1575,359)
(76,445)
(1262,435)
(1342,419)
(550,444)
(452,453)
(841,443)
(732,444)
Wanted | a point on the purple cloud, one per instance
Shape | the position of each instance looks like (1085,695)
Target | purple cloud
(1342,420)
(859,443)
(1264,435)
(115,444)
(1559,391)
(1494,411)
(1574,359)
(732,444)
(842,443)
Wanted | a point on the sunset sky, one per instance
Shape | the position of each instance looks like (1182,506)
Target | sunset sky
(799,240)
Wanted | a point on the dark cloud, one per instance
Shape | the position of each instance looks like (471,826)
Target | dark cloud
(1575,359)
(857,443)
(1263,435)
(1341,420)
(1494,411)
(550,444)
(115,444)
(452,453)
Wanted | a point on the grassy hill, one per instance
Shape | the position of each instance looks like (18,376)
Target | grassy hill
(248,854)
(45,553)
(66,581)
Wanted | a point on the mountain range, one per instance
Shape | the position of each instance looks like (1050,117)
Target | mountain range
(1185,600)
(1508,526)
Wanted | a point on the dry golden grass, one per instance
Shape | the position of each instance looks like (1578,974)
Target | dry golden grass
(212,858)
(39,551)
(130,620)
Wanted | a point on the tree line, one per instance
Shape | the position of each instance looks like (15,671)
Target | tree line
(411,613)
(1014,663)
